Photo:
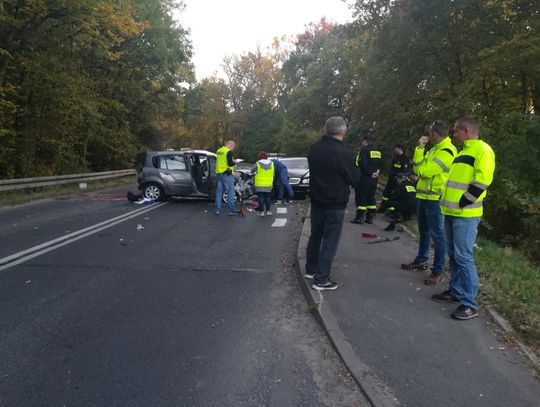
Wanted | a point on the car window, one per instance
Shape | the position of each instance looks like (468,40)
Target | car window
(212,162)
(172,162)
(299,163)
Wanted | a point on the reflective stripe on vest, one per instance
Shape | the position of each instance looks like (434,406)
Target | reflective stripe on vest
(471,173)
(264,178)
(221,162)
(441,155)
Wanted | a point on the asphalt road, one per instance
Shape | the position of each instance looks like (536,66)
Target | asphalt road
(171,307)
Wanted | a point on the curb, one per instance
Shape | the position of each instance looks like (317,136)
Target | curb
(378,393)
(505,326)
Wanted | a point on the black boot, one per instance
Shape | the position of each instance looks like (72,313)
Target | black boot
(360,217)
(369,217)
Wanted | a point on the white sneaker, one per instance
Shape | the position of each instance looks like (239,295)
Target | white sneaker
(279,202)
(268,213)
(260,213)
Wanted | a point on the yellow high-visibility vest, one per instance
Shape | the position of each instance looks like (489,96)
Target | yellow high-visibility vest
(470,175)
(264,178)
(433,169)
(221,162)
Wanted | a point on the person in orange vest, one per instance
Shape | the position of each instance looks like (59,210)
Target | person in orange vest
(264,180)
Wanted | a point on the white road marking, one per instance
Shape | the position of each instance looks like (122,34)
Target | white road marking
(279,222)
(22,256)
(281,210)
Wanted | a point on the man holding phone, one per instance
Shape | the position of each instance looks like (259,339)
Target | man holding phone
(432,168)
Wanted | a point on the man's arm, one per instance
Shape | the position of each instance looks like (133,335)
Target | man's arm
(230,160)
(484,167)
(440,162)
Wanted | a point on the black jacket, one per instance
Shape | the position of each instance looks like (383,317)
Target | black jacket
(404,197)
(400,163)
(368,160)
(331,171)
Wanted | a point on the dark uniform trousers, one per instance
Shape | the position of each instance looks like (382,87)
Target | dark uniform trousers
(364,194)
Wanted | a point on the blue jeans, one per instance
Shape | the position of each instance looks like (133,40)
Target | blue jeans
(264,201)
(431,226)
(326,226)
(461,235)
(284,183)
(224,183)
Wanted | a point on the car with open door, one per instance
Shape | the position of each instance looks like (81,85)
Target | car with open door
(162,174)
(185,173)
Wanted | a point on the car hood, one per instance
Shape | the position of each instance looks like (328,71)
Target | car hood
(298,172)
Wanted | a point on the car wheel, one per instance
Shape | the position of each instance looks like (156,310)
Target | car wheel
(153,192)
(225,197)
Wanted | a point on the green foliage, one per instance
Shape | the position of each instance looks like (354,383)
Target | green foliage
(85,84)
(511,283)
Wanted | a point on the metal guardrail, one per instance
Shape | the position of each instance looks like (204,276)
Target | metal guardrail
(38,182)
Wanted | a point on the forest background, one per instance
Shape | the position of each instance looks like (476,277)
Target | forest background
(87,84)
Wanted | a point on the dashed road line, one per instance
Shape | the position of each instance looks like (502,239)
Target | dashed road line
(279,222)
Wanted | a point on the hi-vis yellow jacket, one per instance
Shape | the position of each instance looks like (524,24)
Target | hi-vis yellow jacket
(264,176)
(433,168)
(221,162)
(470,175)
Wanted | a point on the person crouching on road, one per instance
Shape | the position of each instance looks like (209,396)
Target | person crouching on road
(403,202)
(332,170)
(264,180)
(462,205)
(400,165)
(225,178)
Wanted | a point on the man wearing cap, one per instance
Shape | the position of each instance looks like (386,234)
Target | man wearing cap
(400,165)
(368,160)
(432,168)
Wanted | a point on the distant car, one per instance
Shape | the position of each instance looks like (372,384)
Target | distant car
(185,173)
(298,170)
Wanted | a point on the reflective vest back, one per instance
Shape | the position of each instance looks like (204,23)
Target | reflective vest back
(221,162)
(264,178)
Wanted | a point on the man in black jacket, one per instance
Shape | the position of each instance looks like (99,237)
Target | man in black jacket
(332,170)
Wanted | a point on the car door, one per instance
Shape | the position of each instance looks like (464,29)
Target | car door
(174,173)
(211,180)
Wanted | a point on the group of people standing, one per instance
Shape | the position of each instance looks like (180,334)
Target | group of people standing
(265,171)
(450,188)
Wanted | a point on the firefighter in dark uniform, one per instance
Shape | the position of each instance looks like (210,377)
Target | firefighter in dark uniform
(403,202)
(369,161)
(400,164)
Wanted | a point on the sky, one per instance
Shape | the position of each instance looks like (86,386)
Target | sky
(220,28)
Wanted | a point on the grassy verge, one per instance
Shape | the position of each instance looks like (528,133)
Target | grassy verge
(510,284)
(16,197)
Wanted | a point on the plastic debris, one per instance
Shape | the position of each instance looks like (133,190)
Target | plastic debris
(140,227)
(144,201)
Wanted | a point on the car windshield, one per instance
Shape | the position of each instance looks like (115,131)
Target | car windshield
(297,163)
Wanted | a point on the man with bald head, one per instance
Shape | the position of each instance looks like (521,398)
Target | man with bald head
(225,178)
